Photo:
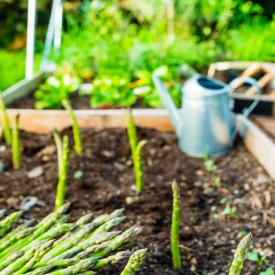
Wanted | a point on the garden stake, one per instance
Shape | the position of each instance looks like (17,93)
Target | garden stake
(76,131)
(134,262)
(240,254)
(16,153)
(175,229)
(63,173)
(5,121)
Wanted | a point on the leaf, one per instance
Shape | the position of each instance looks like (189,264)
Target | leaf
(268,271)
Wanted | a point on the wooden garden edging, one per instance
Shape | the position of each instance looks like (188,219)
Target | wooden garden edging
(45,120)
(258,143)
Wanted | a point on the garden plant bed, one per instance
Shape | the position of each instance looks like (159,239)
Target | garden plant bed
(208,237)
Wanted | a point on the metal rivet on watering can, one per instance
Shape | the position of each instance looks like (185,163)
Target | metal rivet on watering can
(204,125)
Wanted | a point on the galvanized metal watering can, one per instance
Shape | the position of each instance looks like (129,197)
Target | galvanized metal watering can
(204,125)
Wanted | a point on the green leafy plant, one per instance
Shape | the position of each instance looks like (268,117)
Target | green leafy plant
(243,44)
(16,152)
(134,262)
(210,165)
(76,131)
(54,246)
(63,167)
(230,212)
(256,256)
(5,121)
(136,151)
(56,88)
(217,182)
(175,228)
(239,256)
(112,90)
(268,271)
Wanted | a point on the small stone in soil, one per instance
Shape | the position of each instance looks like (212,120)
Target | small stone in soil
(35,172)
(29,202)
(3,167)
(13,202)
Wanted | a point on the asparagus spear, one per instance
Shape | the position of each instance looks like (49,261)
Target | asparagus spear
(175,227)
(98,221)
(119,241)
(70,242)
(40,228)
(112,259)
(109,225)
(20,262)
(87,218)
(37,256)
(91,263)
(13,232)
(11,259)
(21,234)
(8,222)
(63,263)
(76,131)
(239,256)
(5,121)
(52,233)
(90,242)
(134,262)
(16,153)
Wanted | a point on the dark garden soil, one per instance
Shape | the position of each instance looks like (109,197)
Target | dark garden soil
(28,102)
(208,236)
(78,103)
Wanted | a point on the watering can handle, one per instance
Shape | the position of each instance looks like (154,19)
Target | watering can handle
(252,82)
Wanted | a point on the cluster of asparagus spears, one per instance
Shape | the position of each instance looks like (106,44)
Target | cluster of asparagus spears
(54,246)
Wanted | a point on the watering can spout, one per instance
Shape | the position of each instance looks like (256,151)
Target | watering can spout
(169,105)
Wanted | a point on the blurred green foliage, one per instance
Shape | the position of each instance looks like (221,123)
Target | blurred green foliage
(119,44)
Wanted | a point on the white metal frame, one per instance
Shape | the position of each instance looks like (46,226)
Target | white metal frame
(53,36)
(29,66)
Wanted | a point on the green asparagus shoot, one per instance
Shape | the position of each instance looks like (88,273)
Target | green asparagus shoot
(239,256)
(63,168)
(58,144)
(132,131)
(136,151)
(5,121)
(16,153)
(134,262)
(139,166)
(175,228)
(76,131)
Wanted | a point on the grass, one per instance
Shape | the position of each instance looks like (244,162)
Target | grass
(12,67)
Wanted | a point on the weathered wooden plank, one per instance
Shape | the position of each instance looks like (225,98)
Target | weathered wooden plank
(258,143)
(22,88)
(46,120)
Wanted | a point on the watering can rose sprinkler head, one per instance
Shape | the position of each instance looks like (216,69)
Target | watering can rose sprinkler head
(204,124)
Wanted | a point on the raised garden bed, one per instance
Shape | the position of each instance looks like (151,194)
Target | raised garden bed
(263,72)
(208,236)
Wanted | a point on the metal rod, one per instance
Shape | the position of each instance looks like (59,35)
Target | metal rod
(49,37)
(58,25)
(29,66)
